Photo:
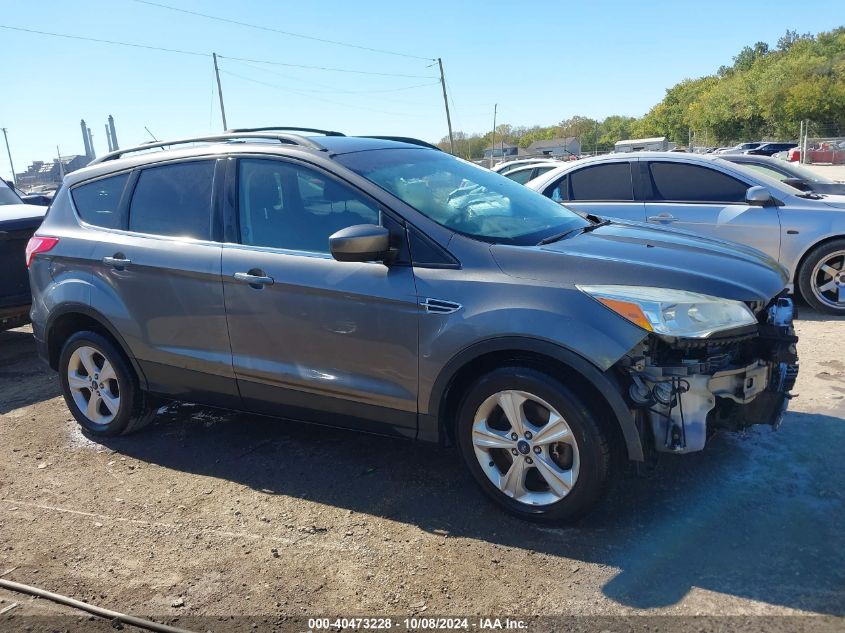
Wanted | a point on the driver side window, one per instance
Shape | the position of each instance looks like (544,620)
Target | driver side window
(288,206)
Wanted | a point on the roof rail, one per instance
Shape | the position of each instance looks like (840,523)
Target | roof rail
(287,139)
(407,139)
(287,129)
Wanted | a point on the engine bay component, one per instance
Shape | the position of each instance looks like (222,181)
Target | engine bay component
(685,391)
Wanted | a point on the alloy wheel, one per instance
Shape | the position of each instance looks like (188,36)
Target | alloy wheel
(828,280)
(525,447)
(93,385)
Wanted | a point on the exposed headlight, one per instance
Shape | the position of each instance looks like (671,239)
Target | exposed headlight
(673,312)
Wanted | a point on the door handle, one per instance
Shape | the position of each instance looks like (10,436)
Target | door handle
(663,217)
(254,280)
(118,261)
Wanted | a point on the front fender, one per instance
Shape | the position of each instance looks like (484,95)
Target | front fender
(603,381)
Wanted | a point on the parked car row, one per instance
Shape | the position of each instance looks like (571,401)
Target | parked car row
(384,285)
(758,148)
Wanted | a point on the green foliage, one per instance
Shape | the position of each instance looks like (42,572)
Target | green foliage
(765,93)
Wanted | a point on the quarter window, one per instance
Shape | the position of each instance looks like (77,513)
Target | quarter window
(611,182)
(98,202)
(174,200)
(679,182)
(283,205)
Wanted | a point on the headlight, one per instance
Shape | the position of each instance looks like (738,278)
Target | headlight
(673,312)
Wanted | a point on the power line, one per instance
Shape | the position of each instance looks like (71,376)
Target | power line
(281,32)
(330,89)
(327,68)
(302,94)
(201,54)
(99,41)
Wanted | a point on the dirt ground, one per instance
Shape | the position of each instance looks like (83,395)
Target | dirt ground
(215,514)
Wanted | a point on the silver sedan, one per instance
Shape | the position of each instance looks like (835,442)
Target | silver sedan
(804,231)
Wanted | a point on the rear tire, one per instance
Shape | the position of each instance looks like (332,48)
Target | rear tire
(821,278)
(553,464)
(100,387)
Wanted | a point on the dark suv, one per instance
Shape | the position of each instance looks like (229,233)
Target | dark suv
(384,285)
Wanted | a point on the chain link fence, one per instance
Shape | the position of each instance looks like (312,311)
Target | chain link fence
(823,144)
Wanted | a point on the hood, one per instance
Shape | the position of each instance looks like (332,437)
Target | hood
(20,216)
(833,188)
(641,255)
(835,201)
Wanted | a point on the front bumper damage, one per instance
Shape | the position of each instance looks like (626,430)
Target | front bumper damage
(683,390)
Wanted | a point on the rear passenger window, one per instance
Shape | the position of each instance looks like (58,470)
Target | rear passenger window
(98,202)
(174,200)
(520,175)
(678,182)
(610,182)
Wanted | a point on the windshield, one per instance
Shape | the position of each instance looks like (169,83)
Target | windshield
(808,175)
(464,197)
(7,196)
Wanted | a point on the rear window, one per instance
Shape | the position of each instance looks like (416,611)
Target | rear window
(98,202)
(174,200)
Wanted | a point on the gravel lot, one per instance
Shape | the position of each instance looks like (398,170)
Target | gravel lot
(213,514)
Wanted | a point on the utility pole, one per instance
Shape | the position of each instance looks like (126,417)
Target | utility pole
(446,103)
(493,137)
(11,164)
(220,92)
(61,166)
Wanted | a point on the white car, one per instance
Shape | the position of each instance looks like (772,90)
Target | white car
(505,167)
(524,173)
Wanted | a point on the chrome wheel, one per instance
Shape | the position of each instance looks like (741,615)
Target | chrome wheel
(828,280)
(525,447)
(93,385)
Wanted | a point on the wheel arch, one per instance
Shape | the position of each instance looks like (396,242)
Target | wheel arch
(72,318)
(805,255)
(600,388)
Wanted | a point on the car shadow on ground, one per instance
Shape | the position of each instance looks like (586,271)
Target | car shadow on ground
(24,378)
(758,516)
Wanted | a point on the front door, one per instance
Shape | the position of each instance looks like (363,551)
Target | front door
(313,338)
(710,202)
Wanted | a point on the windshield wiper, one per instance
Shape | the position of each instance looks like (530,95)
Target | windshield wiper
(559,236)
(809,195)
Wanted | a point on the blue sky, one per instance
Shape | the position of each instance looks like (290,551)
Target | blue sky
(541,61)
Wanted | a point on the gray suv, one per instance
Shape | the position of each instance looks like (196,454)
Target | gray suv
(384,285)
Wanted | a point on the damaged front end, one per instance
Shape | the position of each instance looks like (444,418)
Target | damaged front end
(684,389)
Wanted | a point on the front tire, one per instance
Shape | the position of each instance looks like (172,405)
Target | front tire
(822,278)
(100,388)
(532,445)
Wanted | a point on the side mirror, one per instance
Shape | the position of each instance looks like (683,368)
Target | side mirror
(361,243)
(758,197)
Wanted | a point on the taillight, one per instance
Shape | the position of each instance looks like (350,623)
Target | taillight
(39,244)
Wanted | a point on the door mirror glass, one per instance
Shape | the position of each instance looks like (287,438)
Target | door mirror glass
(758,196)
(361,243)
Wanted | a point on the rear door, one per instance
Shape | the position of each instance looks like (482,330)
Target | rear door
(157,279)
(708,201)
(313,338)
(605,190)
